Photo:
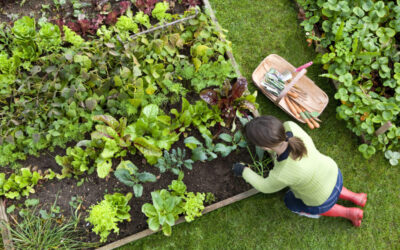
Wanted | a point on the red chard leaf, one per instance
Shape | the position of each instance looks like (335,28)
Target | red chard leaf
(238,88)
(74,26)
(112,17)
(85,26)
(209,96)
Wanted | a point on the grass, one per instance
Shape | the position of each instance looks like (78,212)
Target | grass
(257,29)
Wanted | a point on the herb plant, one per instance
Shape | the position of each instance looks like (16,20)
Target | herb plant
(128,174)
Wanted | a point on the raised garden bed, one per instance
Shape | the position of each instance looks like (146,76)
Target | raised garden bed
(86,190)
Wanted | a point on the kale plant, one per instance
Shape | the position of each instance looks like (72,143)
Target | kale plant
(174,161)
(128,174)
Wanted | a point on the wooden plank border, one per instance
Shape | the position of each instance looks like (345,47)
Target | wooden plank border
(207,6)
(208,209)
(4,225)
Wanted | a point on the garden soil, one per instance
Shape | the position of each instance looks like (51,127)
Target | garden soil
(212,176)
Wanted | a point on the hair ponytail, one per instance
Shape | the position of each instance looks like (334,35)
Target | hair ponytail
(298,148)
(268,131)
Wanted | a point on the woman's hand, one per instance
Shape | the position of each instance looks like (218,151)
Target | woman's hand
(238,169)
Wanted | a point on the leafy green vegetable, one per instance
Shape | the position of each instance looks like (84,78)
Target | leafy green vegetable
(193,205)
(105,215)
(128,174)
(174,161)
(163,212)
(199,152)
(49,38)
(160,10)
(125,23)
(71,37)
(142,18)
(76,162)
(19,184)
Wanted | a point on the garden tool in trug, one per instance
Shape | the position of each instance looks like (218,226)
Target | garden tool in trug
(287,75)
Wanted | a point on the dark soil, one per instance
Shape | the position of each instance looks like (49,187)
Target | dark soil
(212,176)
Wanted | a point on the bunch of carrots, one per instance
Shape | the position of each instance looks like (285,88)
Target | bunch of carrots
(299,111)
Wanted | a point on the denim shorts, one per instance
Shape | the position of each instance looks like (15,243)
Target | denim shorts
(297,205)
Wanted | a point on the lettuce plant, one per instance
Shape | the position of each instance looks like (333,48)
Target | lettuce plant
(76,162)
(72,37)
(19,184)
(142,19)
(159,12)
(113,140)
(152,132)
(193,205)
(198,114)
(105,215)
(163,212)
(49,38)
(128,174)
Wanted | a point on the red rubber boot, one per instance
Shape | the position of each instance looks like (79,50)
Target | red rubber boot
(357,198)
(351,213)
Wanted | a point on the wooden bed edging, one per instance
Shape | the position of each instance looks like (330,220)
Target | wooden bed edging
(5,232)
(208,209)
(207,5)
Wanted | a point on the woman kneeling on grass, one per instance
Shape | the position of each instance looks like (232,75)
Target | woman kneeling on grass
(314,179)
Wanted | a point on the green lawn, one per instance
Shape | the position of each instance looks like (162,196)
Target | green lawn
(257,29)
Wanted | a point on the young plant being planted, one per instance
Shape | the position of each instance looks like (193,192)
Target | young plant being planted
(200,152)
(128,174)
(237,140)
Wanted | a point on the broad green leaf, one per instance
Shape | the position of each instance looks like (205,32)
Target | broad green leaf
(150,111)
(138,190)
(199,154)
(124,176)
(153,223)
(103,167)
(192,143)
(225,137)
(167,230)
(222,149)
(146,177)
(170,219)
(109,120)
(150,152)
(149,210)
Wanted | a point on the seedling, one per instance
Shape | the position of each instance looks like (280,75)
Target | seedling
(128,174)
(174,161)
(236,141)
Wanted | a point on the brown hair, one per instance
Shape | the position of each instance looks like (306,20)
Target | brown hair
(268,131)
